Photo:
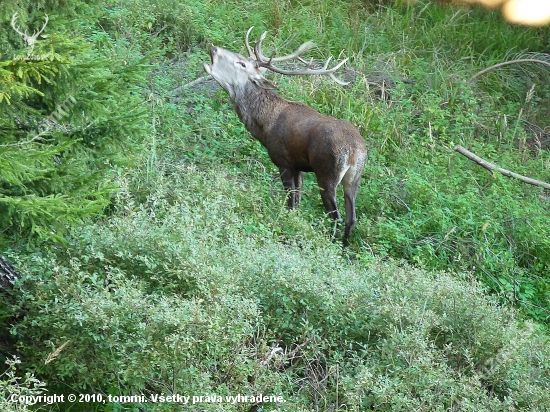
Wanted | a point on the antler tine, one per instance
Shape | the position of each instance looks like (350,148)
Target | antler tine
(258,49)
(337,80)
(13,19)
(326,63)
(35,35)
(296,55)
(250,50)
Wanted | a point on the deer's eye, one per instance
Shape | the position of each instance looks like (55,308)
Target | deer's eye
(242,64)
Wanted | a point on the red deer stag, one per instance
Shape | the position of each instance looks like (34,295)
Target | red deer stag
(297,138)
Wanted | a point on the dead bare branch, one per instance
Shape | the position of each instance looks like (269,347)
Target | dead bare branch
(492,167)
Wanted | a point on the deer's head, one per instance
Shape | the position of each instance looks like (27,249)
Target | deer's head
(30,39)
(233,70)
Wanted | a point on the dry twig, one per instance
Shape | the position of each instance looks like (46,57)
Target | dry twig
(492,167)
(55,353)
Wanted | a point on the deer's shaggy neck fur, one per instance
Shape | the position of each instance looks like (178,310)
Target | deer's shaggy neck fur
(258,108)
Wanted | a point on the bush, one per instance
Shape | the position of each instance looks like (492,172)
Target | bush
(196,280)
(174,295)
(13,388)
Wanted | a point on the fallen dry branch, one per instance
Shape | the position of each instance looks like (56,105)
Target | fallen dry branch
(204,82)
(492,167)
(192,83)
(496,66)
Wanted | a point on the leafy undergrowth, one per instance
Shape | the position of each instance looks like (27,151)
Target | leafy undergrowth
(197,281)
(419,199)
(175,295)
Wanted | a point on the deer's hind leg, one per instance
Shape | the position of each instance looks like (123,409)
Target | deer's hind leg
(351,181)
(328,195)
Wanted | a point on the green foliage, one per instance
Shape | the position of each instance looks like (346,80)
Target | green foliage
(168,25)
(14,387)
(68,109)
(195,279)
(419,199)
(202,311)
(442,211)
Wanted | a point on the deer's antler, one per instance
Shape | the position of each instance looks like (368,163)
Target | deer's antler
(13,19)
(267,63)
(35,35)
(29,39)
(250,49)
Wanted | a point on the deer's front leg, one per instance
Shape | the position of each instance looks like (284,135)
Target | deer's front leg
(292,181)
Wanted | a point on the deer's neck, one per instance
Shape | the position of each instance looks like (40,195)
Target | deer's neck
(258,109)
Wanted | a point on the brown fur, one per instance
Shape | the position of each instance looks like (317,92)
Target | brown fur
(297,138)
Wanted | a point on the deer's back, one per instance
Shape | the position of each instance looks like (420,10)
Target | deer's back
(302,138)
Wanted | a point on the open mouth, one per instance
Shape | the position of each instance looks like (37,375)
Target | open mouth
(213,51)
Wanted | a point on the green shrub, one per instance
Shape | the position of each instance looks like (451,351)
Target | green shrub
(196,280)
(13,388)
(174,294)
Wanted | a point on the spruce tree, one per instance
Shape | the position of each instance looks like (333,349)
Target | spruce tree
(70,105)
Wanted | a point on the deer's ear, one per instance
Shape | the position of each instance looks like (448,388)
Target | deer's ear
(262,82)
